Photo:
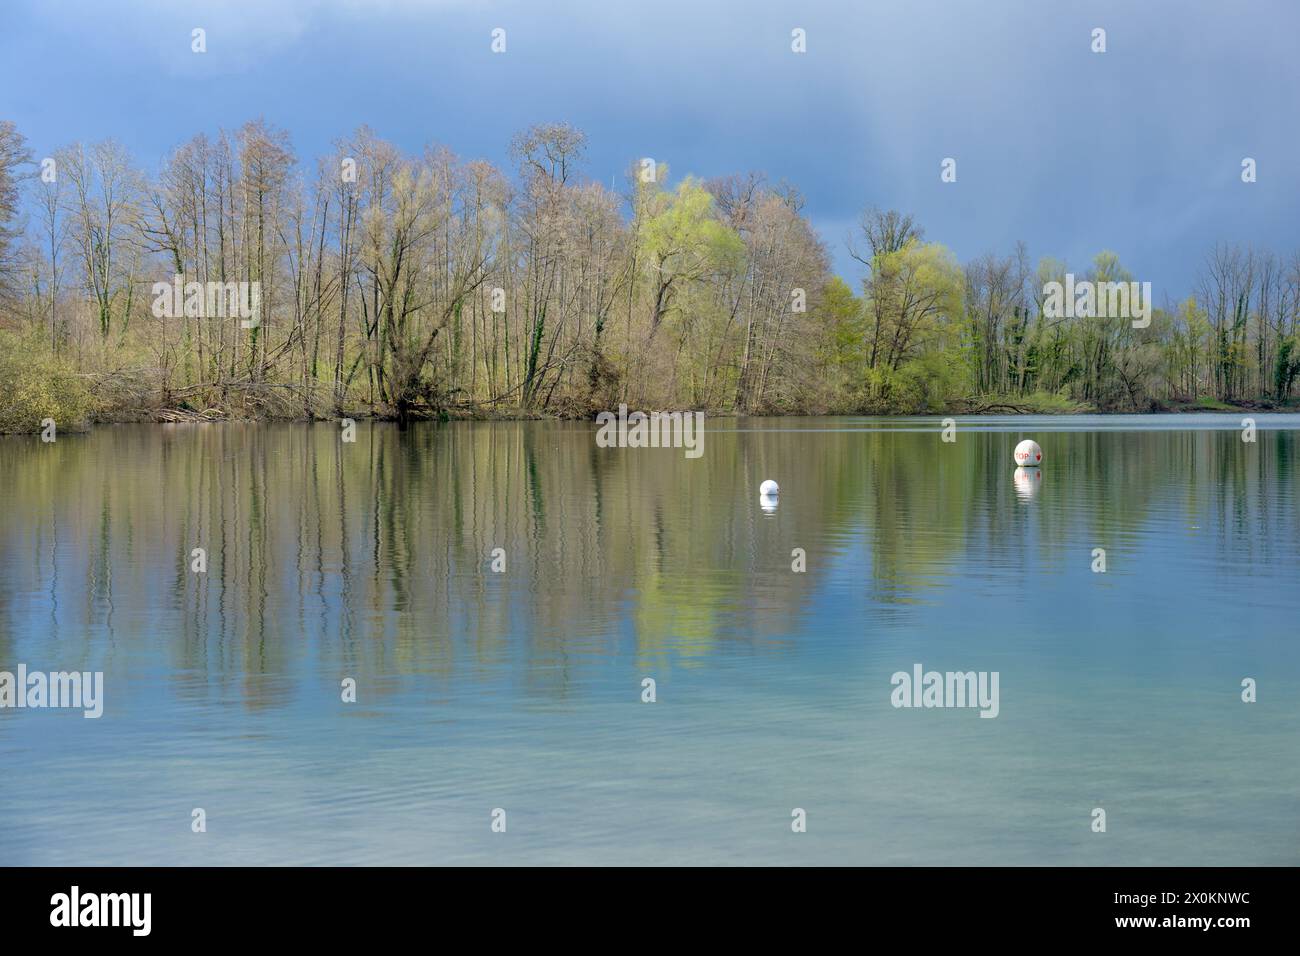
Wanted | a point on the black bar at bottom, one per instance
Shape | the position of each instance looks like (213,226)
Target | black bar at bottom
(214,905)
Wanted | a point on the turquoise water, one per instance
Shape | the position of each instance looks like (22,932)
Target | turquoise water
(522,690)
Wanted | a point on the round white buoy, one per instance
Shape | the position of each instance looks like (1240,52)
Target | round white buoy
(769,488)
(1028,454)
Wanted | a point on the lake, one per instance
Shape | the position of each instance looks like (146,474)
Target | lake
(522,689)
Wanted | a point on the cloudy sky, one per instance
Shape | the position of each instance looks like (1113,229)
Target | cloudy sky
(1137,150)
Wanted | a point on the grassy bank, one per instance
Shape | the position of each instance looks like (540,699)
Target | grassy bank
(79,388)
(33,391)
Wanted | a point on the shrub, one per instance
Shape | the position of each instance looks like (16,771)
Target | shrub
(36,386)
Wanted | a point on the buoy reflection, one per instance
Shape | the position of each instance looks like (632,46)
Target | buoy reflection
(1028,481)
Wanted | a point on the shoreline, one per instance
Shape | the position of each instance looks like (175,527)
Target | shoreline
(993,409)
(181,417)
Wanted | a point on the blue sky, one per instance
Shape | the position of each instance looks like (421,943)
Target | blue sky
(1137,150)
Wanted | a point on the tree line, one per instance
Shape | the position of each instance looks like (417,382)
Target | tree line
(405,285)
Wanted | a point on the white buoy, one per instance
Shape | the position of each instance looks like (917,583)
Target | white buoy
(1028,454)
(769,489)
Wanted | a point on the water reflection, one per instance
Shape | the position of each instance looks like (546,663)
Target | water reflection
(1027,481)
(375,560)
(377,556)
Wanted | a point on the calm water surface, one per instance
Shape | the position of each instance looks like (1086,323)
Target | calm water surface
(522,690)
